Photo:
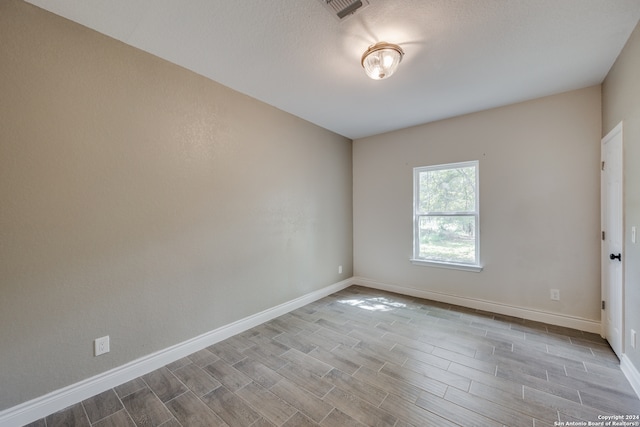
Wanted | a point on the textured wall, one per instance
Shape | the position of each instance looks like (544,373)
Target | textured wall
(539,203)
(621,102)
(145,202)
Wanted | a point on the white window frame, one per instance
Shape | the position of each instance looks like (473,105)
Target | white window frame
(475,266)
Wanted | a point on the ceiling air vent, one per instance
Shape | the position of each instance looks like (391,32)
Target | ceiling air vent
(344,8)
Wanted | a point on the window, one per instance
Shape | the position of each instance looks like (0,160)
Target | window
(446,216)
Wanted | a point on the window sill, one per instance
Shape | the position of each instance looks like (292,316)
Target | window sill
(450,265)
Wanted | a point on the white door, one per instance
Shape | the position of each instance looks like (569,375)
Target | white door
(612,239)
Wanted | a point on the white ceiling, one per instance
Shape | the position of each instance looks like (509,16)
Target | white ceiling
(461,55)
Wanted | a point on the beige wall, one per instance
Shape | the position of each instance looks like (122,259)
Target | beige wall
(145,202)
(621,102)
(539,203)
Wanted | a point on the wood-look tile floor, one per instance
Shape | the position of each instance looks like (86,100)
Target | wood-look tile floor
(363,357)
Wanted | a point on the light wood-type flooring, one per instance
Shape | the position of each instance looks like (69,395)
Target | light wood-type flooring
(363,357)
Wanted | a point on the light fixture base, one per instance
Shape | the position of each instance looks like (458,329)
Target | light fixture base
(381,60)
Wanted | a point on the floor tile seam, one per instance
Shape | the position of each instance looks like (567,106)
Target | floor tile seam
(188,389)
(427,363)
(300,410)
(335,332)
(138,389)
(418,407)
(379,371)
(231,363)
(122,408)
(354,394)
(603,389)
(531,334)
(581,417)
(173,417)
(330,329)
(156,396)
(614,368)
(585,369)
(334,409)
(288,419)
(166,422)
(91,423)
(497,336)
(444,348)
(494,386)
(538,422)
(410,384)
(324,395)
(506,410)
(274,338)
(606,399)
(234,394)
(568,404)
(550,363)
(398,418)
(538,386)
(520,374)
(496,326)
(479,342)
(449,362)
(305,388)
(543,347)
(628,393)
(444,383)
(257,410)
(592,344)
(524,410)
(522,363)
(462,410)
(81,406)
(589,347)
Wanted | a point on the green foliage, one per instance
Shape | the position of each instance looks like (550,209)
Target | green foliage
(446,208)
(447,190)
(447,238)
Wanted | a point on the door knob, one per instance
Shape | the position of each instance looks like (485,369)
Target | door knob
(618,257)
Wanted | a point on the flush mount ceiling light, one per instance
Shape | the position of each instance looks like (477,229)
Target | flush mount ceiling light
(381,60)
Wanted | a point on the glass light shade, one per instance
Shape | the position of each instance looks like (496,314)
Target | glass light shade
(381,60)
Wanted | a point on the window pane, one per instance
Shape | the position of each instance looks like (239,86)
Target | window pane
(447,190)
(447,238)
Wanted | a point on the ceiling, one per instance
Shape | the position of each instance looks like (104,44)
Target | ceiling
(461,56)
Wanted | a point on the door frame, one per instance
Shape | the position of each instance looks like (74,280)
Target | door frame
(604,260)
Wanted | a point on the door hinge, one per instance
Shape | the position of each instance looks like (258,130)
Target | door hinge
(603,235)
(602,166)
(603,305)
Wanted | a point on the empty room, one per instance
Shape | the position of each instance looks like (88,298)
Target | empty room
(319,213)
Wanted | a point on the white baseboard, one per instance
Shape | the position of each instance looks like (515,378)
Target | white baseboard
(628,369)
(40,407)
(57,400)
(494,307)
(631,372)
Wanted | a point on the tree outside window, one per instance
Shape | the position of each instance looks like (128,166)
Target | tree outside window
(446,214)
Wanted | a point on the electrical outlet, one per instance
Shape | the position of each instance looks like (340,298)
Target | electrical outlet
(555,294)
(634,338)
(101,346)
(339,269)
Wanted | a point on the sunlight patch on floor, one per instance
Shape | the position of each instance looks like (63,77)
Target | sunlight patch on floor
(373,304)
